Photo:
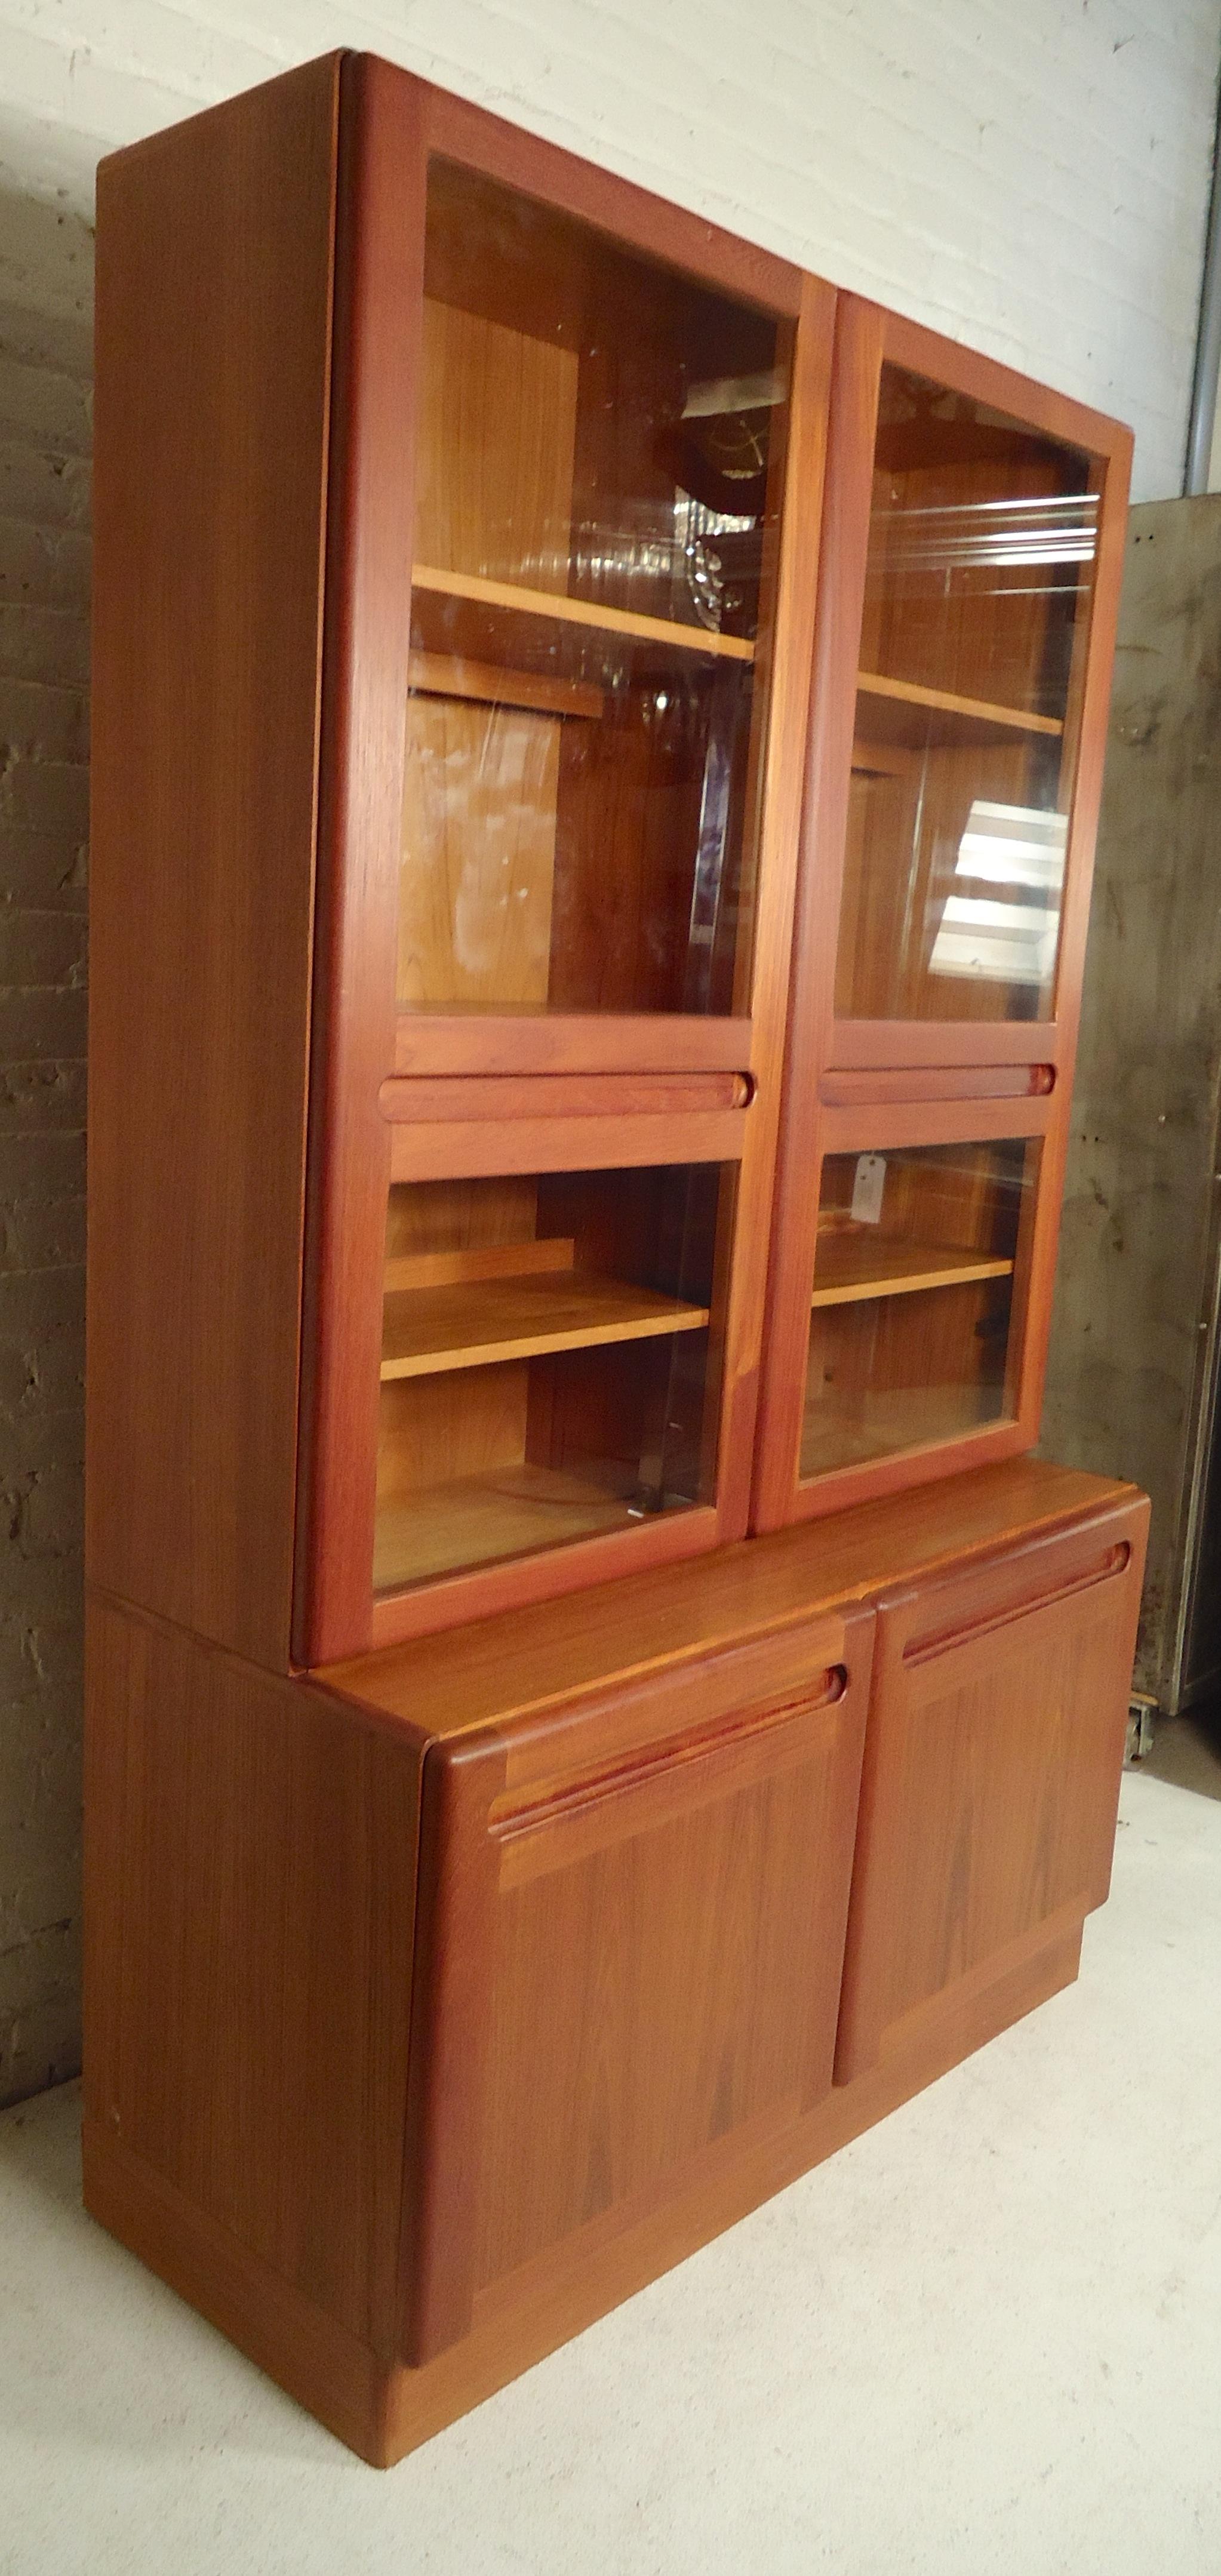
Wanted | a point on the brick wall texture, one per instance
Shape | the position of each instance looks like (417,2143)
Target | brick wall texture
(1032,180)
(44,643)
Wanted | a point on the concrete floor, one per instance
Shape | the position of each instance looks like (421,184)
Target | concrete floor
(985,2338)
(1187,1750)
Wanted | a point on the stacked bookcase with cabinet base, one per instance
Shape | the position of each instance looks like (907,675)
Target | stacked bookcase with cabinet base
(596,744)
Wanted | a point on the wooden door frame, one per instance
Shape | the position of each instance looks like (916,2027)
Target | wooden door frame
(781,1496)
(390,124)
(597,1770)
(833,1063)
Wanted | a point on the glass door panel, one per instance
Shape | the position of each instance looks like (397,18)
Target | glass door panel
(982,541)
(597,494)
(550,1360)
(913,1301)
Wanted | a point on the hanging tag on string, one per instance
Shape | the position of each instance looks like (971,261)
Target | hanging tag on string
(867,1188)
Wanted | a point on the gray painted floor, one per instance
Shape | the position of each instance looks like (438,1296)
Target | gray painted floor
(985,2338)
(1187,1750)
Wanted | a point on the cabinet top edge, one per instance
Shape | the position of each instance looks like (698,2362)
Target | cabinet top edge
(460,129)
(521,1661)
(923,350)
(323,73)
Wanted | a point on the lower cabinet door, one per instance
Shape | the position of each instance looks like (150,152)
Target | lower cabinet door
(630,1939)
(991,1777)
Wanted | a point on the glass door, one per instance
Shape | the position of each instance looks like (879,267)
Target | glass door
(921,1259)
(601,442)
(551,1359)
(600,445)
(968,592)
(982,542)
(575,525)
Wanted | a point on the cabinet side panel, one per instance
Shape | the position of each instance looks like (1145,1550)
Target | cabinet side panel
(213,319)
(250,1861)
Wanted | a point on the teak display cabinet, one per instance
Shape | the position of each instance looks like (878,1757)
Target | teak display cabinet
(596,749)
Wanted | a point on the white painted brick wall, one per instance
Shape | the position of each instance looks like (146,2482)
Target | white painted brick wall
(1030,178)
(1028,175)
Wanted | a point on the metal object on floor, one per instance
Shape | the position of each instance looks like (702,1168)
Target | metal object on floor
(1142,1716)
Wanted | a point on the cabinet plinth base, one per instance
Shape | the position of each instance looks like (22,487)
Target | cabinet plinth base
(382,2411)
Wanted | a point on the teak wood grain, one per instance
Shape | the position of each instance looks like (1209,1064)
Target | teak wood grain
(389,125)
(378,307)
(669,1757)
(452,675)
(784,659)
(472,1324)
(433,1100)
(467,134)
(385,2411)
(886,1125)
(547,1044)
(977,712)
(846,1270)
(479,1261)
(250,1868)
(213,305)
(680,1905)
(581,612)
(528,1659)
(870,1086)
(996,1740)
(441,1996)
(587,1141)
(485,852)
(820,1105)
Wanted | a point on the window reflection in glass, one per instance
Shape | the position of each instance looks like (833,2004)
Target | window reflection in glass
(982,543)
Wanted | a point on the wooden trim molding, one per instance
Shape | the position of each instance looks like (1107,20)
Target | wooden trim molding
(209,494)
(379,287)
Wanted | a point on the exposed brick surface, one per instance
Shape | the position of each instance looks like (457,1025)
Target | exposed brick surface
(44,572)
(1030,179)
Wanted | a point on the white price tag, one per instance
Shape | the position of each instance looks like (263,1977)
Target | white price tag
(867,1188)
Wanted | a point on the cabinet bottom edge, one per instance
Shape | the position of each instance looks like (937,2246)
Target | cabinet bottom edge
(381,2410)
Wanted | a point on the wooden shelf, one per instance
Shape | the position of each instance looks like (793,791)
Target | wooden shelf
(557,605)
(848,1267)
(455,675)
(903,712)
(505,1511)
(475,1322)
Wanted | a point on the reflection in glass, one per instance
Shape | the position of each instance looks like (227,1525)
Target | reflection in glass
(550,1360)
(1009,935)
(595,518)
(920,1253)
(982,543)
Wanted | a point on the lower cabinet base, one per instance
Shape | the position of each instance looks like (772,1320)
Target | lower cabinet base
(437,2004)
(382,2410)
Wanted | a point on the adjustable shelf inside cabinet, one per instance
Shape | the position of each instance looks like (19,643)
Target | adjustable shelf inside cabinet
(590,1702)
